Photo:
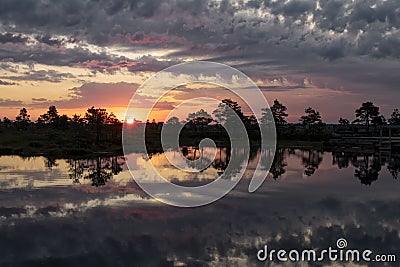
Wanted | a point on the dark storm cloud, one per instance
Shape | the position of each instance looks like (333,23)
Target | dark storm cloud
(12,38)
(327,38)
(7,83)
(150,63)
(54,41)
(293,8)
(143,64)
(54,56)
(279,88)
(43,13)
(41,75)
(211,22)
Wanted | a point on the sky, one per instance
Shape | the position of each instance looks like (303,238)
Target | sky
(331,55)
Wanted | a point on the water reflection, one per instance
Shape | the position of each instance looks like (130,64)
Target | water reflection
(50,162)
(84,214)
(98,170)
(394,166)
(367,169)
(221,161)
(197,158)
(311,160)
(204,164)
(368,165)
(76,170)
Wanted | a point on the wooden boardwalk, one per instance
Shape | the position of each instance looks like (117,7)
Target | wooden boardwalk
(382,138)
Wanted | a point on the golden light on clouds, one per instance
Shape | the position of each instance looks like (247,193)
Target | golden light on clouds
(55,84)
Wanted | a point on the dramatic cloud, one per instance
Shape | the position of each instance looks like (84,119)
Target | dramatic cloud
(351,45)
(96,94)
(10,103)
(41,75)
(39,99)
(143,64)
(12,38)
(7,83)
(331,29)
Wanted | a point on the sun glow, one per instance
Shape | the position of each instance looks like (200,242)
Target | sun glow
(130,120)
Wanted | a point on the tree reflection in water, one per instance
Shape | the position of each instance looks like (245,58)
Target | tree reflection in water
(50,162)
(367,169)
(368,164)
(99,170)
(235,163)
(311,159)
(394,166)
(221,160)
(224,157)
(279,163)
(76,169)
(197,159)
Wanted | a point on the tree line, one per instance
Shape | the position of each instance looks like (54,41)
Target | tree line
(52,117)
(367,114)
(96,123)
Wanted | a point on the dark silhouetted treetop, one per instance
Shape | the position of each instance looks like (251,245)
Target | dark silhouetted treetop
(312,117)
(344,121)
(368,113)
(224,111)
(51,116)
(200,117)
(173,121)
(279,112)
(23,116)
(395,117)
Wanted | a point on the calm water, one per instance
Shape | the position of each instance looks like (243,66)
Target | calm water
(91,213)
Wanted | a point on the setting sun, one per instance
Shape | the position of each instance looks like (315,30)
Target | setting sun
(130,120)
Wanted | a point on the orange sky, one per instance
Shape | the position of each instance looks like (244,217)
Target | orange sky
(114,91)
(116,96)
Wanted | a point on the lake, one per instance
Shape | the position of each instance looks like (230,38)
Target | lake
(90,212)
